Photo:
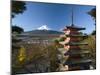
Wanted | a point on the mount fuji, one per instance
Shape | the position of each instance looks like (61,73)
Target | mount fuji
(42,30)
(44,27)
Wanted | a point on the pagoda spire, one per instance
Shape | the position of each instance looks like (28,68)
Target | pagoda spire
(72,17)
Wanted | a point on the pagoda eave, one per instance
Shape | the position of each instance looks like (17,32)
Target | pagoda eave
(81,61)
(76,52)
(75,27)
(76,35)
(75,44)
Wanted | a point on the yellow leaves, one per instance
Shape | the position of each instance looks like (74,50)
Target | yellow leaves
(22,54)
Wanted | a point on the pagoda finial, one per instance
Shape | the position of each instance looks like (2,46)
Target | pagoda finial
(72,17)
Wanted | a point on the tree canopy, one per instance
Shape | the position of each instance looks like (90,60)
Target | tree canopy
(93,33)
(18,7)
(17,29)
(92,13)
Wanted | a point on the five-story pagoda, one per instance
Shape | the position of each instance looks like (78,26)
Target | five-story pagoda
(70,54)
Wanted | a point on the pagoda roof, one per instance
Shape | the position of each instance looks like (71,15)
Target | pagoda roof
(74,35)
(75,52)
(76,43)
(73,43)
(75,27)
(72,52)
(77,61)
(62,48)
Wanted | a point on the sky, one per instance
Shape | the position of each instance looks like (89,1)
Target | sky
(54,16)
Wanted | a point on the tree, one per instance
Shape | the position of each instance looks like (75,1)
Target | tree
(17,29)
(92,13)
(18,7)
(22,54)
(93,33)
(92,48)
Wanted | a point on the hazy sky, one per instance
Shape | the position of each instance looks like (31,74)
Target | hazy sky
(55,16)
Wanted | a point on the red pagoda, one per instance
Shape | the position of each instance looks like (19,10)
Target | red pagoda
(70,55)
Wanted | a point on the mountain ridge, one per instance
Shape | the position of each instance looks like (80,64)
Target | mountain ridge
(42,32)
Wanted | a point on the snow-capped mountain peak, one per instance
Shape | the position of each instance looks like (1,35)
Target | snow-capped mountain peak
(43,27)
